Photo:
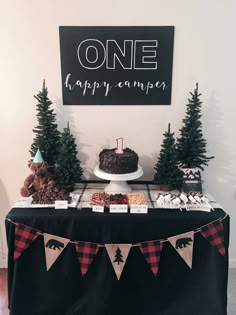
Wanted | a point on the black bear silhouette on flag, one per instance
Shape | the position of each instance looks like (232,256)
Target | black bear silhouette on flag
(54,244)
(183,242)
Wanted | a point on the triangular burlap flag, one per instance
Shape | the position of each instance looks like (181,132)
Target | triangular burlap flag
(118,254)
(214,233)
(152,253)
(86,252)
(24,236)
(183,244)
(54,246)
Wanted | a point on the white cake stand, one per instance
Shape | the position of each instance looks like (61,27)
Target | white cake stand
(118,184)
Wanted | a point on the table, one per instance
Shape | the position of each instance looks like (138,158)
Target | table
(176,290)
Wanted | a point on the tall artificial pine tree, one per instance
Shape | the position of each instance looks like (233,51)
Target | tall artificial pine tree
(191,146)
(167,170)
(47,136)
(68,170)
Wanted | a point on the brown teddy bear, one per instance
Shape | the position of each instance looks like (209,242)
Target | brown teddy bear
(37,180)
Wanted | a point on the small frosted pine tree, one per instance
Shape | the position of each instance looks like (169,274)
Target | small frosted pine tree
(191,146)
(167,170)
(68,170)
(47,136)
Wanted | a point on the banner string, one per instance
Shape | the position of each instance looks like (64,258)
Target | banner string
(133,245)
(220,219)
(195,231)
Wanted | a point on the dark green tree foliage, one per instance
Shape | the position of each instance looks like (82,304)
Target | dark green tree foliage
(68,170)
(47,136)
(167,170)
(191,146)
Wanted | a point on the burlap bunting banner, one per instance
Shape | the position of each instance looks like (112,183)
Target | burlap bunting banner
(118,254)
(152,253)
(86,252)
(183,244)
(54,246)
(24,236)
(214,233)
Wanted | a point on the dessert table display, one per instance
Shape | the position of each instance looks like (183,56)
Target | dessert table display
(123,248)
(167,262)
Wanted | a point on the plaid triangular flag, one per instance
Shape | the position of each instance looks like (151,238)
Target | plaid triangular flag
(183,244)
(118,254)
(152,253)
(214,233)
(86,252)
(24,236)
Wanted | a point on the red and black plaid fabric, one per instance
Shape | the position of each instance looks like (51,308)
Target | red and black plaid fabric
(152,253)
(214,233)
(86,252)
(24,236)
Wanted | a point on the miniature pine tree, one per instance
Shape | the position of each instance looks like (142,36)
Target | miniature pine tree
(68,170)
(191,146)
(47,136)
(167,170)
(118,256)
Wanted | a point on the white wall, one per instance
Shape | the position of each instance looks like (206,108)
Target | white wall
(204,51)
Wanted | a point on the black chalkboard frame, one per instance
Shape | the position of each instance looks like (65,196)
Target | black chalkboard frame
(118,86)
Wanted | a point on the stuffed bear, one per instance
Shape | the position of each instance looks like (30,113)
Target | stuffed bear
(37,180)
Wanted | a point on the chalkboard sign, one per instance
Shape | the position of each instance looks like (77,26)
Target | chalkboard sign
(192,180)
(116,65)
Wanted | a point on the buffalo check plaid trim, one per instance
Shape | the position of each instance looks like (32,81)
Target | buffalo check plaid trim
(24,236)
(214,233)
(152,253)
(86,252)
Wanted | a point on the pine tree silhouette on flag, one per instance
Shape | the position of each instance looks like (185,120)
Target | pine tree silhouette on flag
(118,256)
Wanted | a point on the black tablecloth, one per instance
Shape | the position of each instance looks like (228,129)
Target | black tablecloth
(176,290)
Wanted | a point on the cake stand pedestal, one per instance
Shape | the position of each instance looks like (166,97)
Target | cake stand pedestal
(118,184)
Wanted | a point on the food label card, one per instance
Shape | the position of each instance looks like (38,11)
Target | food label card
(61,204)
(118,208)
(196,207)
(98,208)
(139,209)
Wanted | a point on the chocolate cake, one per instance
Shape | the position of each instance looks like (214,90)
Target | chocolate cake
(114,163)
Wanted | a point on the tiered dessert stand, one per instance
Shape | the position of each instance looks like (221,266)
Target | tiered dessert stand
(118,184)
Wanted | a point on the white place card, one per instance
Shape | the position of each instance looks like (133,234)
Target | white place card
(61,204)
(169,206)
(139,209)
(118,208)
(196,207)
(98,208)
